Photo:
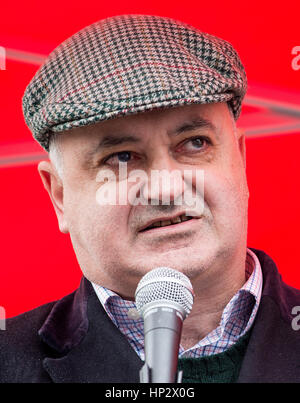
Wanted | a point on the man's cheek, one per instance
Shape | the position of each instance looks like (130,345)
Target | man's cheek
(218,190)
(110,221)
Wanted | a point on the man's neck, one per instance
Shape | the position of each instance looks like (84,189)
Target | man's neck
(209,303)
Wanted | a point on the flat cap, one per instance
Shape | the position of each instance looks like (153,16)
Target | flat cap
(129,64)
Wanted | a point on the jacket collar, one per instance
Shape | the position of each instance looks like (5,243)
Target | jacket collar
(67,322)
(85,345)
(273,352)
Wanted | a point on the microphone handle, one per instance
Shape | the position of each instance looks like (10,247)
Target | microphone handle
(162,333)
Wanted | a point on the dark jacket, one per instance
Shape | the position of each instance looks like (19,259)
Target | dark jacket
(73,340)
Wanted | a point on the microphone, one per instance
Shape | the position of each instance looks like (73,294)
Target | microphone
(164,298)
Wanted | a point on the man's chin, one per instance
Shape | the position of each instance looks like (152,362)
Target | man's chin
(191,268)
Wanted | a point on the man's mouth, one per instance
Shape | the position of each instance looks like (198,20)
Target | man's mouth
(172,221)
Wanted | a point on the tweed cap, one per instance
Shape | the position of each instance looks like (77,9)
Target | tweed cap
(129,64)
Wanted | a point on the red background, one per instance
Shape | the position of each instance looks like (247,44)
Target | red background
(37,262)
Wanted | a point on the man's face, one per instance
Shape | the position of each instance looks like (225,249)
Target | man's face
(111,243)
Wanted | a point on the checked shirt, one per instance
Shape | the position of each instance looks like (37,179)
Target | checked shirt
(237,317)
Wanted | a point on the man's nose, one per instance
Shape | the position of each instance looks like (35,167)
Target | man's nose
(165,182)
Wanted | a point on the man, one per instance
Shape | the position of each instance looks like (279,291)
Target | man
(143,94)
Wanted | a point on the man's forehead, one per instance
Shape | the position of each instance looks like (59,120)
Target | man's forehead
(167,118)
(131,129)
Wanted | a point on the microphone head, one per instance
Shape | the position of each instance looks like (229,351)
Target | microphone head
(164,287)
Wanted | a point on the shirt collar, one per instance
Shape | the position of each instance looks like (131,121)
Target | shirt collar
(241,309)
(245,302)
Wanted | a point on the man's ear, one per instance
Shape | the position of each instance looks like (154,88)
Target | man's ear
(241,138)
(242,144)
(54,186)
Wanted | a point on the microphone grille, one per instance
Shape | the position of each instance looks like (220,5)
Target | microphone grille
(164,284)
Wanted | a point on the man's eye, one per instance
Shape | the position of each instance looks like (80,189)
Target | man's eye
(196,143)
(122,156)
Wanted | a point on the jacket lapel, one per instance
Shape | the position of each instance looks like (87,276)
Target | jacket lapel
(273,352)
(93,350)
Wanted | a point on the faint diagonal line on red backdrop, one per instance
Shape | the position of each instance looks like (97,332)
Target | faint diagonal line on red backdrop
(259,131)
(8,161)
(21,153)
(25,57)
(282,107)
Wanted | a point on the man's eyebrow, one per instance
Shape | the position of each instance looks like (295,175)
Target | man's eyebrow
(110,141)
(192,124)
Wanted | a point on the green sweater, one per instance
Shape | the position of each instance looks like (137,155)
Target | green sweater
(218,368)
